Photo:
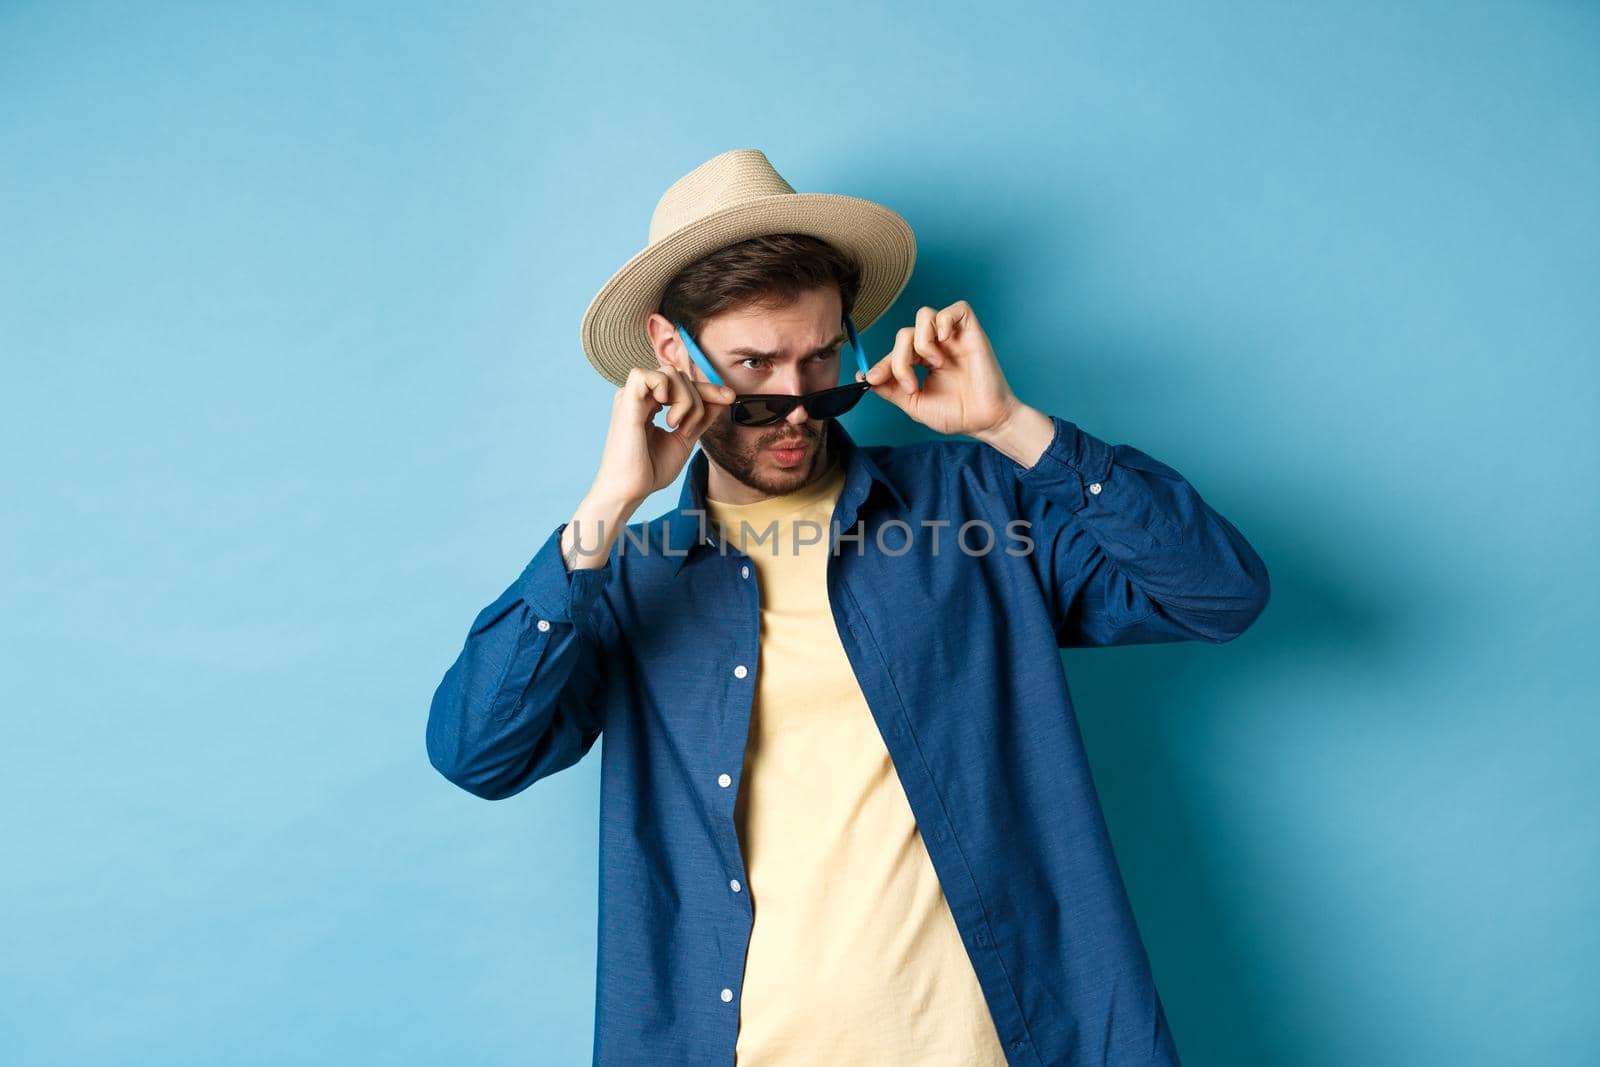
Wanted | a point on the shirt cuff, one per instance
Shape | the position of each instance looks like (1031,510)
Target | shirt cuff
(1074,465)
(555,593)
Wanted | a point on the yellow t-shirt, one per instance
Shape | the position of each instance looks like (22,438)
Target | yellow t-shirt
(854,956)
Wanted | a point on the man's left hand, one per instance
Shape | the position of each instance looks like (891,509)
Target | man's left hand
(964,392)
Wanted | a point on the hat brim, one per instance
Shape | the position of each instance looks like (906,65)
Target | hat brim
(614,337)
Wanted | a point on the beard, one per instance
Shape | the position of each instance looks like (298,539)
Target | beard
(743,453)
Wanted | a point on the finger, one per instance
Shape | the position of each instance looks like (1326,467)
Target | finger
(709,401)
(681,396)
(900,360)
(695,394)
(884,371)
(950,321)
(719,395)
(888,387)
(706,409)
(644,386)
(660,389)
(715,401)
(926,343)
(879,372)
(692,403)
(699,422)
(650,391)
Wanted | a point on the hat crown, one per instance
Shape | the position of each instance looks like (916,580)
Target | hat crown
(734,177)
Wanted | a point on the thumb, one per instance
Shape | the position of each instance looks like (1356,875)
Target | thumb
(890,390)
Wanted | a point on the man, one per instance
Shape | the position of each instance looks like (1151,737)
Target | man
(846,814)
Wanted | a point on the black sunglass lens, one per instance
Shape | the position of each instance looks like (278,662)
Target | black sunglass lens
(832,403)
(760,411)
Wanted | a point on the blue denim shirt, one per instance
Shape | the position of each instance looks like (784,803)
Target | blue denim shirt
(957,653)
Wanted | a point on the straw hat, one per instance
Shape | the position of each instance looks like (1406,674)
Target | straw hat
(724,200)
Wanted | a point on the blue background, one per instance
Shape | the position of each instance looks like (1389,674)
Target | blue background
(289,305)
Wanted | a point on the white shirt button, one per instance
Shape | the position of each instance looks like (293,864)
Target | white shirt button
(544,624)
(724,781)
(740,671)
(727,995)
(744,572)
(734,885)
(1095,488)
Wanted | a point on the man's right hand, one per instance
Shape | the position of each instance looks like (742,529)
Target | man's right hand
(640,457)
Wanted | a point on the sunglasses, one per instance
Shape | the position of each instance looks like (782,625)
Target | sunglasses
(764,409)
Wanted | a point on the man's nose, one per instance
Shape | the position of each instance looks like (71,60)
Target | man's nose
(789,381)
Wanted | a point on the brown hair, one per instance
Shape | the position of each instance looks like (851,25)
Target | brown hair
(771,270)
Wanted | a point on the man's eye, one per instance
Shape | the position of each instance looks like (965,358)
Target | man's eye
(757,362)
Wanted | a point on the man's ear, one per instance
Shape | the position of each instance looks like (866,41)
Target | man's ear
(666,342)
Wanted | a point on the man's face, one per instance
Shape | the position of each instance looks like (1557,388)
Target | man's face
(792,350)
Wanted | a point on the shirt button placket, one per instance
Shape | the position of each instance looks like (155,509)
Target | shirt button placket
(725,780)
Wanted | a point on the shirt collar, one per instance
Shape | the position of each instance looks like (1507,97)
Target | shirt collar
(688,527)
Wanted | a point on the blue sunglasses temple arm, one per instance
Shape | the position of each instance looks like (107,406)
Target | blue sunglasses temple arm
(699,356)
(855,342)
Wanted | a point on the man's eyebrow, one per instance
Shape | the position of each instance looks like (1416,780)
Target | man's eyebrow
(746,353)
